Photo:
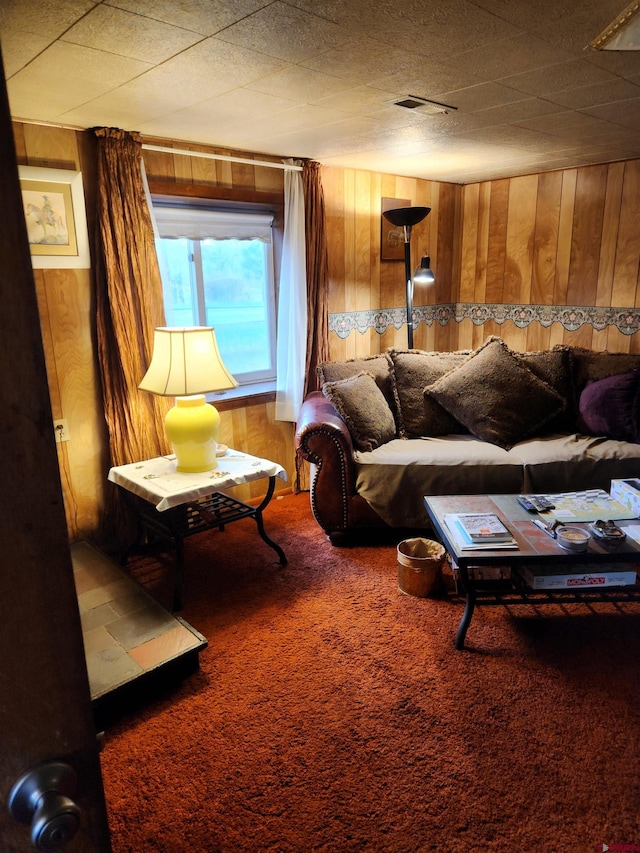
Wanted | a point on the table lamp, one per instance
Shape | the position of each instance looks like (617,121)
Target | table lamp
(186,364)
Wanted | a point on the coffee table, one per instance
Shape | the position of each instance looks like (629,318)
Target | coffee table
(535,548)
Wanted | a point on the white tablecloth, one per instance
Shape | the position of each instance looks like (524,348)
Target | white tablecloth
(157,481)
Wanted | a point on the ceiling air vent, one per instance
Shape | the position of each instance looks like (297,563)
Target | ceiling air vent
(414,102)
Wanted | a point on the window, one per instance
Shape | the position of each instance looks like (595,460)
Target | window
(217,270)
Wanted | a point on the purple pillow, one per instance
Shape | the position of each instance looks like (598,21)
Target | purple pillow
(610,407)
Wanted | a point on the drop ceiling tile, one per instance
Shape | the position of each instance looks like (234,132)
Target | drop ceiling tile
(239,137)
(480,97)
(299,118)
(317,143)
(413,75)
(510,136)
(225,110)
(107,111)
(597,94)
(517,112)
(438,27)
(30,97)
(579,24)
(568,123)
(213,66)
(525,14)
(49,19)
(284,32)
(114,31)
(508,57)
(452,123)
(621,63)
(556,78)
(365,125)
(357,61)
(200,16)
(628,117)
(19,48)
(301,84)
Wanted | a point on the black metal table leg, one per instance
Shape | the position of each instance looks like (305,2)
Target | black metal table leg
(469,607)
(177,586)
(260,523)
(219,509)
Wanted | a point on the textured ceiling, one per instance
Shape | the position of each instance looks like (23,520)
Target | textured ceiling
(317,78)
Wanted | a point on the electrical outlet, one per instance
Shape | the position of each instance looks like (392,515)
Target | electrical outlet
(61,430)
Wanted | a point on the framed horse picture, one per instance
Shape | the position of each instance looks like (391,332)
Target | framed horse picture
(54,212)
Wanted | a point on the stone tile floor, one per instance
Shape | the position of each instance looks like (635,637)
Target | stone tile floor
(126,633)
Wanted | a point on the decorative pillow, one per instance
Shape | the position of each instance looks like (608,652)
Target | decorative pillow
(496,396)
(611,407)
(420,415)
(362,405)
(555,368)
(379,366)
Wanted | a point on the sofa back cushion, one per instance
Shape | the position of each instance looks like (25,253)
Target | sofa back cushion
(379,366)
(554,367)
(589,365)
(419,414)
(361,404)
(497,396)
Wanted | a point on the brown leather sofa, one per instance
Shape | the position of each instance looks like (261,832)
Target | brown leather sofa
(356,490)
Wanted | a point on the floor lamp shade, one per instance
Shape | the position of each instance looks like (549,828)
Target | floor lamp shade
(186,364)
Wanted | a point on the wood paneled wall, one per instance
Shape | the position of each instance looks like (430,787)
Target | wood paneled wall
(359,280)
(557,238)
(67,310)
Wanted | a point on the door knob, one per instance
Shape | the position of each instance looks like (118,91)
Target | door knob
(41,798)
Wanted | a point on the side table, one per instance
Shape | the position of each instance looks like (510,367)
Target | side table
(174,505)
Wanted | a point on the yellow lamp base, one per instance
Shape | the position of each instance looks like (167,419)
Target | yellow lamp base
(193,427)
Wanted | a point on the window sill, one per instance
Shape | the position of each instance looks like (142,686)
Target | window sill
(244,395)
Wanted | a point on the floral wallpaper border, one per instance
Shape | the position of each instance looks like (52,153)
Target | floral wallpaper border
(626,320)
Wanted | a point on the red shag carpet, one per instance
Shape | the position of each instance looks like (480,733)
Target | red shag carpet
(332,713)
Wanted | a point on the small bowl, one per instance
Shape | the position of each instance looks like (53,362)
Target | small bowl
(572,538)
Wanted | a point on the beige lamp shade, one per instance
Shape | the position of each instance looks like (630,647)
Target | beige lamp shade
(186,361)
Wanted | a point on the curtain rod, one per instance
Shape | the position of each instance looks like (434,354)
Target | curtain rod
(164,150)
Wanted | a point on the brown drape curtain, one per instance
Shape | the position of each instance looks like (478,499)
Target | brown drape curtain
(128,301)
(317,289)
(317,273)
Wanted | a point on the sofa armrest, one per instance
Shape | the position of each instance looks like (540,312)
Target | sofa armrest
(322,438)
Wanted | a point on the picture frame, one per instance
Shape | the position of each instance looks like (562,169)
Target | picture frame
(392,237)
(55,216)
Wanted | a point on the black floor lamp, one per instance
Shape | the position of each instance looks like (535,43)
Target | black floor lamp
(407,217)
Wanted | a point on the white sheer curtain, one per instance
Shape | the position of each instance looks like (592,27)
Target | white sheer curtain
(292,302)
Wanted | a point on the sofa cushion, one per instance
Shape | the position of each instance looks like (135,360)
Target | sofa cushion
(496,396)
(379,366)
(555,368)
(611,407)
(557,463)
(394,478)
(418,414)
(589,365)
(362,405)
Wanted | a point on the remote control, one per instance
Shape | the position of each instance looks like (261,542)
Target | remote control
(535,503)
